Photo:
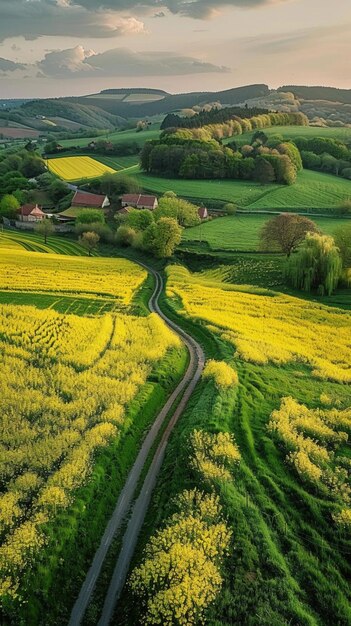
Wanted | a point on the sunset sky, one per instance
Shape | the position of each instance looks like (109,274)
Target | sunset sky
(71,47)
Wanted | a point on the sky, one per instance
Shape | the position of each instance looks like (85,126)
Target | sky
(52,48)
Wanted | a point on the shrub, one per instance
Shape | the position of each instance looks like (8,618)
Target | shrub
(222,374)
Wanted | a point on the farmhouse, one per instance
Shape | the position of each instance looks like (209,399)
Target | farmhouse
(139,201)
(89,200)
(30,213)
(203,213)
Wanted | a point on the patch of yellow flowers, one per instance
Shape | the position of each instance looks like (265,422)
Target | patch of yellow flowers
(180,575)
(223,374)
(214,454)
(265,326)
(312,438)
(65,384)
(54,273)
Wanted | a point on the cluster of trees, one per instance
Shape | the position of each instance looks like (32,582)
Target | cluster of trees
(320,261)
(157,232)
(238,125)
(221,115)
(175,155)
(16,167)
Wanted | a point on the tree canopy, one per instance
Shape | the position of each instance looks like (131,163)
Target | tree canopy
(317,265)
(285,232)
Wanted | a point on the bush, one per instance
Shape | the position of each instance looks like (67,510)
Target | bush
(125,236)
(105,233)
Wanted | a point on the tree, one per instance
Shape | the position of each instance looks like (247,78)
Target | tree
(342,238)
(286,231)
(90,216)
(317,265)
(230,208)
(89,241)
(125,235)
(184,212)
(45,228)
(264,171)
(162,237)
(9,206)
(57,189)
(138,220)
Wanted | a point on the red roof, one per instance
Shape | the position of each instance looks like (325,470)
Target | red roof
(83,198)
(203,212)
(139,199)
(30,209)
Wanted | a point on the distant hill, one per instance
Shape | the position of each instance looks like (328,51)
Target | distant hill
(319,93)
(148,102)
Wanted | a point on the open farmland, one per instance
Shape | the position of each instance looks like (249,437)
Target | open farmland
(313,190)
(241,232)
(78,167)
(152,132)
(290,132)
(287,502)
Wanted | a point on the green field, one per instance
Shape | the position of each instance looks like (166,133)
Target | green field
(241,232)
(140,138)
(313,190)
(290,132)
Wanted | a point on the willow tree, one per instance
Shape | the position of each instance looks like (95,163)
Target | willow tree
(317,265)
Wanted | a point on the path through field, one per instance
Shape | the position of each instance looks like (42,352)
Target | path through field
(180,395)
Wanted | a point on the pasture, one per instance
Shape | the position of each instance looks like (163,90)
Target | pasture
(152,132)
(241,232)
(78,167)
(313,190)
(290,132)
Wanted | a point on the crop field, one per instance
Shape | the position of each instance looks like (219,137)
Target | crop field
(78,167)
(312,189)
(290,132)
(74,359)
(287,497)
(116,279)
(241,232)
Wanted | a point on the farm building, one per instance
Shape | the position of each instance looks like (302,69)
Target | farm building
(30,213)
(89,200)
(203,213)
(139,201)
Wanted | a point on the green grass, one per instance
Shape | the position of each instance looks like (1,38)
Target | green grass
(35,243)
(290,132)
(125,135)
(287,564)
(313,190)
(241,232)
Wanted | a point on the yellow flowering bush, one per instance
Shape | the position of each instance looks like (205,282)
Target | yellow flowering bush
(312,436)
(214,454)
(223,375)
(180,575)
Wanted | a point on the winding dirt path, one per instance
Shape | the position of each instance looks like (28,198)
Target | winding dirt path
(181,394)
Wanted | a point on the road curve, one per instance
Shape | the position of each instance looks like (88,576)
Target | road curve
(183,391)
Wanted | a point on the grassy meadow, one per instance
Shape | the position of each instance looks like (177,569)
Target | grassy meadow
(152,132)
(290,132)
(241,232)
(313,190)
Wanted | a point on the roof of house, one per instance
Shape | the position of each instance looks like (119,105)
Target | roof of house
(203,212)
(126,209)
(30,209)
(83,198)
(139,199)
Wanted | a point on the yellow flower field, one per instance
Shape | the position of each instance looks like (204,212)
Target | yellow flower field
(54,273)
(65,384)
(78,167)
(265,326)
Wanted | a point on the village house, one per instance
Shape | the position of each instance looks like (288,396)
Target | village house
(89,200)
(139,201)
(30,213)
(203,213)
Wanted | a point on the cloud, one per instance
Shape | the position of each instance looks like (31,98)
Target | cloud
(7,67)
(101,18)
(78,62)
(35,18)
